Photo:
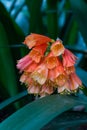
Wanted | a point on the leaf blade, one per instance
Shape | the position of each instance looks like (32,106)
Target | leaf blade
(66,120)
(38,113)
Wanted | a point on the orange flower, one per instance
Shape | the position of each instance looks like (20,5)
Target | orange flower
(51,61)
(23,78)
(69,58)
(35,55)
(55,72)
(32,86)
(31,67)
(35,40)
(65,87)
(52,74)
(46,90)
(75,81)
(24,63)
(71,84)
(61,79)
(69,70)
(37,52)
(40,74)
(33,89)
(45,70)
(41,48)
(57,48)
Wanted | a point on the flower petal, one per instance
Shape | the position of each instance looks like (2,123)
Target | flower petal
(75,81)
(51,61)
(69,58)
(57,48)
(35,40)
(69,70)
(55,72)
(46,90)
(61,79)
(35,55)
(66,86)
(24,62)
(33,89)
(40,74)
(41,48)
(23,78)
(31,67)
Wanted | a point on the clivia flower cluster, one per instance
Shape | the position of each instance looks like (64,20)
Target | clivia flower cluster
(48,67)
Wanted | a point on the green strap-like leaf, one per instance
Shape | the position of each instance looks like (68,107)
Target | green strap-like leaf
(14,33)
(13,99)
(38,113)
(80,11)
(66,120)
(7,72)
(36,22)
(52,18)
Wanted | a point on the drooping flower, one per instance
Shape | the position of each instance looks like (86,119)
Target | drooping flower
(31,67)
(46,90)
(75,81)
(32,59)
(33,89)
(65,87)
(23,77)
(69,70)
(69,59)
(24,62)
(61,79)
(37,52)
(55,72)
(51,61)
(35,40)
(32,86)
(71,84)
(40,74)
(57,48)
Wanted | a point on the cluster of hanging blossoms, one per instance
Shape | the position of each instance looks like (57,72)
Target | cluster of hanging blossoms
(48,67)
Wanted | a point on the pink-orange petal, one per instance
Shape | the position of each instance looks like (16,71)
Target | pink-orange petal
(55,72)
(69,70)
(32,67)
(57,48)
(75,82)
(35,55)
(24,62)
(33,89)
(46,89)
(29,81)
(61,79)
(69,58)
(51,62)
(23,77)
(35,40)
(40,74)
(41,48)
(51,74)
(66,86)
(59,70)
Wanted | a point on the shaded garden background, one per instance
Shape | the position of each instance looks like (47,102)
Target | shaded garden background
(65,19)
